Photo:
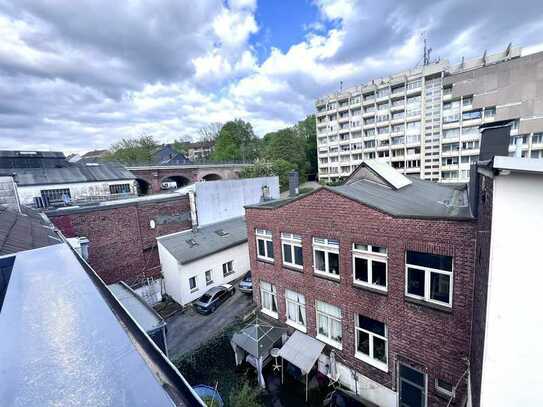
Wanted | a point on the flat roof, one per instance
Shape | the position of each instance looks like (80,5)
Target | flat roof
(518,164)
(142,313)
(66,341)
(188,246)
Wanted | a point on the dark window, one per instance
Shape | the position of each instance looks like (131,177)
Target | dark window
(415,282)
(434,261)
(319,260)
(56,195)
(379,273)
(119,189)
(333,263)
(298,256)
(361,269)
(287,250)
(371,325)
(412,387)
(269,244)
(261,248)
(440,287)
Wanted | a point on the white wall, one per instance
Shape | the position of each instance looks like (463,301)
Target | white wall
(176,276)
(512,373)
(79,190)
(220,200)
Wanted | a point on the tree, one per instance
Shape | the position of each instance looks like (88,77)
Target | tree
(307,130)
(210,132)
(259,169)
(133,150)
(281,168)
(236,141)
(287,145)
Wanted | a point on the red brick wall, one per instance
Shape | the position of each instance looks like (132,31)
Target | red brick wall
(433,339)
(122,244)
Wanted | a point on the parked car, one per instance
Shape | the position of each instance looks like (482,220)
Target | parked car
(214,297)
(246,283)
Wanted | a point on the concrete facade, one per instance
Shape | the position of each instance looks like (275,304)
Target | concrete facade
(435,341)
(425,121)
(122,238)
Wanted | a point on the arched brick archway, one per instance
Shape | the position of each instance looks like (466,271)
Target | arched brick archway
(212,177)
(144,187)
(180,180)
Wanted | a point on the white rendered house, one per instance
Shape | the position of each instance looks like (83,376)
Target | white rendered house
(195,261)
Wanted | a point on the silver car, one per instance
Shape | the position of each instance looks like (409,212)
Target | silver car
(214,297)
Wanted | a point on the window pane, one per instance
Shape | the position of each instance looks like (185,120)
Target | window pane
(287,252)
(319,260)
(379,349)
(336,330)
(261,250)
(291,311)
(269,245)
(411,396)
(371,325)
(323,325)
(412,375)
(361,269)
(298,256)
(379,273)
(301,315)
(274,303)
(333,263)
(363,345)
(378,249)
(415,282)
(439,287)
(430,260)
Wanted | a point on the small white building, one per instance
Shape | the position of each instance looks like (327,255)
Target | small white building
(195,261)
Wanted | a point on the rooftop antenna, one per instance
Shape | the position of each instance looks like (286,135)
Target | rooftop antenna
(340,86)
(427,52)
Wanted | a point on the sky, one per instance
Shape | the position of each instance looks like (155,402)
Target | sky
(81,75)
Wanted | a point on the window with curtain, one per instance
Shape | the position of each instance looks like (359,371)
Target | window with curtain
(329,323)
(268,298)
(295,309)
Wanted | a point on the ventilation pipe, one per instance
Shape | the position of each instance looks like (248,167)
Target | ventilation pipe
(293,183)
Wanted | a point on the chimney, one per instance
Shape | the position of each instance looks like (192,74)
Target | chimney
(293,183)
(494,139)
(265,194)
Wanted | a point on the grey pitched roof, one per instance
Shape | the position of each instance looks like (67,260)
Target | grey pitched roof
(25,231)
(70,174)
(207,240)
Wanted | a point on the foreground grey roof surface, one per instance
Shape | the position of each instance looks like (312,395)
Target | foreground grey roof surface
(68,174)
(208,241)
(144,315)
(61,344)
(24,231)
(420,199)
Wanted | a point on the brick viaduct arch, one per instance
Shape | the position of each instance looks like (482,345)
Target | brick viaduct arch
(150,178)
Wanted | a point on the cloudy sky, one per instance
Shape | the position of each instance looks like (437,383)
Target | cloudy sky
(79,75)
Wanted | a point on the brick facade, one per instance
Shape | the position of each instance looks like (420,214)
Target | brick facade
(435,340)
(122,243)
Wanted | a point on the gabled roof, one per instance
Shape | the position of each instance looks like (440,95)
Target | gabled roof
(395,194)
(189,246)
(24,231)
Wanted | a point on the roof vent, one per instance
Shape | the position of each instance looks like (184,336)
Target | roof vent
(221,233)
(191,242)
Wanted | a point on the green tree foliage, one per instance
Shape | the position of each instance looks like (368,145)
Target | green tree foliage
(287,145)
(281,168)
(307,130)
(259,169)
(133,150)
(236,141)
(245,396)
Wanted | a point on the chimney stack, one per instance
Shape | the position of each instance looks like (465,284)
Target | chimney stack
(293,183)
(494,139)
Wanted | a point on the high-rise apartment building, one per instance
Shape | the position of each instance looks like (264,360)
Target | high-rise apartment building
(425,121)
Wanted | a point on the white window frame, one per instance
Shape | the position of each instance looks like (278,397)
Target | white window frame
(443,391)
(370,359)
(293,241)
(265,236)
(370,256)
(273,298)
(427,277)
(210,281)
(195,288)
(299,325)
(229,272)
(327,339)
(327,247)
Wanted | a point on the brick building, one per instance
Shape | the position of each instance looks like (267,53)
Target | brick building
(381,269)
(123,233)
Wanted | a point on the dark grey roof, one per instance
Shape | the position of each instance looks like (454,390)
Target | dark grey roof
(208,241)
(420,199)
(70,174)
(66,341)
(32,159)
(24,231)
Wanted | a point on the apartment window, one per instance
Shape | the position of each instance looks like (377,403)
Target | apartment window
(292,250)
(369,133)
(119,189)
(371,342)
(429,277)
(56,195)
(470,131)
(192,284)
(451,133)
(518,140)
(326,257)
(412,387)
(451,147)
(537,138)
(398,115)
(268,298)
(329,323)
(414,84)
(228,268)
(295,310)
(369,144)
(209,280)
(264,243)
(467,101)
(473,115)
(370,266)
(470,145)
(490,111)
